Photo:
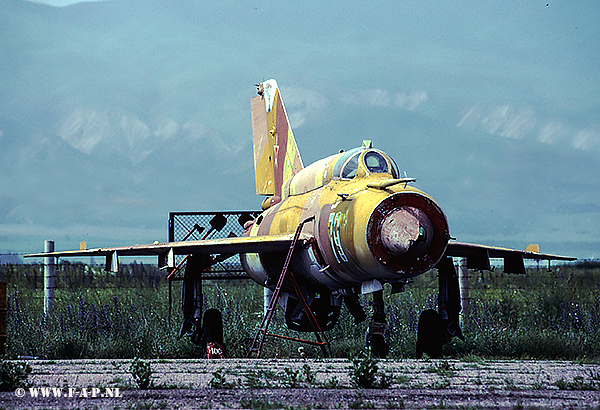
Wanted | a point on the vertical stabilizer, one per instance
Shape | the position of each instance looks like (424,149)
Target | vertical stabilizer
(276,156)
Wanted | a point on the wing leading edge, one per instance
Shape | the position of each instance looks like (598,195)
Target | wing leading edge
(478,256)
(167,251)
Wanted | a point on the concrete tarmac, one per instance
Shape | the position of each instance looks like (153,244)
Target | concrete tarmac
(309,383)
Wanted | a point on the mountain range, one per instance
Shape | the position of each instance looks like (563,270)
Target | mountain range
(114,113)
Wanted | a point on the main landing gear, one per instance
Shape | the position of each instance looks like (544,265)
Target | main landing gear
(204,330)
(437,328)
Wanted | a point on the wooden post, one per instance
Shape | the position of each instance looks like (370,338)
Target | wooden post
(463,282)
(49,276)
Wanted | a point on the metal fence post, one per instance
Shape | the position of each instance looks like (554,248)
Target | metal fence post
(463,283)
(49,278)
(3,309)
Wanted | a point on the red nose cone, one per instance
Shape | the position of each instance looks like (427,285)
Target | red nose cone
(407,233)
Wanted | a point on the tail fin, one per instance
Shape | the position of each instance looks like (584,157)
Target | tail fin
(276,156)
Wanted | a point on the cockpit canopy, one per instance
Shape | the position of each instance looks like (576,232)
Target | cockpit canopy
(347,165)
(373,161)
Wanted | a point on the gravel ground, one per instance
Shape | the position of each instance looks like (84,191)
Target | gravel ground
(300,384)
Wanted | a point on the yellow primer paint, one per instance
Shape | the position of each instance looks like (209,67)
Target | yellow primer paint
(310,178)
(276,156)
(263,164)
(290,156)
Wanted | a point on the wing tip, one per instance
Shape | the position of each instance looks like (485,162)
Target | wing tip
(534,248)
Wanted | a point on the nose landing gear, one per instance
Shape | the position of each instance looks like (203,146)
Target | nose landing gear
(375,339)
(437,328)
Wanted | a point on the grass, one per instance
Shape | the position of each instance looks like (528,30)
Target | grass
(13,375)
(257,404)
(541,315)
(141,372)
(577,383)
(443,368)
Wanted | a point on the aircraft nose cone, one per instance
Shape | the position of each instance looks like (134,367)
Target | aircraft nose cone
(407,233)
(406,230)
(400,229)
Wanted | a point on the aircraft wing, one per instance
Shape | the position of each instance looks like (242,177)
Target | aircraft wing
(166,252)
(478,256)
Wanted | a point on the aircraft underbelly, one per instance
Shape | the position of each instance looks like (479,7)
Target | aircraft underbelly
(306,263)
(265,269)
(254,268)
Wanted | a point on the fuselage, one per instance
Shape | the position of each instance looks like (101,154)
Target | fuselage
(368,224)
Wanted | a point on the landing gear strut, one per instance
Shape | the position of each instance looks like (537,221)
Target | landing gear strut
(376,334)
(437,328)
(192,298)
(207,330)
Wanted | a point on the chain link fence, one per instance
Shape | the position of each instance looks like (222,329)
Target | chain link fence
(210,225)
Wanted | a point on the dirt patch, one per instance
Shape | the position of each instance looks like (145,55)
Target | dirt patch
(270,383)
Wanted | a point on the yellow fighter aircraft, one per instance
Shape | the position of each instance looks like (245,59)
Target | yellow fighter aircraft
(330,232)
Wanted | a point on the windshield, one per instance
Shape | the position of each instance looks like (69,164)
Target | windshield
(343,160)
(350,167)
(375,162)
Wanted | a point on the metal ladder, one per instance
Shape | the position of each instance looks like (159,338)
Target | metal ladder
(261,333)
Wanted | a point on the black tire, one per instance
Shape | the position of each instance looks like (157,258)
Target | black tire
(212,329)
(430,334)
(212,326)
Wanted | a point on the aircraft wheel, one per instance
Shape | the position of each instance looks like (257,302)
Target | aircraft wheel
(376,342)
(212,327)
(430,334)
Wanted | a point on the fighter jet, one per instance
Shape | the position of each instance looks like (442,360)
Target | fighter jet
(328,233)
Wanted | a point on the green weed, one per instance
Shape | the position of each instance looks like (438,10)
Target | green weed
(141,372)
(578,383)
(395,404)
(292,377)
(440,405)
(402,379)
(540,315)
(509,384)
(219,381)
(332,383)
(442,368)
(309,375)
(440,384)
(360,403)
(364,370)
(13,375)
(256,404)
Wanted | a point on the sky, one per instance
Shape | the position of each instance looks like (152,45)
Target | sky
(63,3)
(115,113)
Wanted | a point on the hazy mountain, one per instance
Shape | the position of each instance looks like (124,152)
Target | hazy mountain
(115,113)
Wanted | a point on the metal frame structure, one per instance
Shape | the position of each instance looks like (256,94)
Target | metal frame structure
(203,225)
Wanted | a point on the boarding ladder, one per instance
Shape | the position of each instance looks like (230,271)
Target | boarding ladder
(286,272)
